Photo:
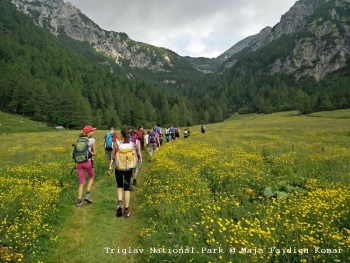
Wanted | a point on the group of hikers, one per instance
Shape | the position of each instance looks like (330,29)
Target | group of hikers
(124,153)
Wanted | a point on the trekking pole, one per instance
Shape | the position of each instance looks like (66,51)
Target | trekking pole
(74,168)
(110,170)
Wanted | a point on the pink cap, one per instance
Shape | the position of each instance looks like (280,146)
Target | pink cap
(88,129)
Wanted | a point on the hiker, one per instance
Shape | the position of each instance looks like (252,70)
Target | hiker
(188,132)
(139,156)
(185,133)
(108,142)
(172,132)
(160,133)
(167,135)
(203,128)
(123,170)
(140,135)
(153,141)
(177,133)
(86,166)
(146,140)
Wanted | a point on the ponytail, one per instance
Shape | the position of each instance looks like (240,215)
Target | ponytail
(126,134)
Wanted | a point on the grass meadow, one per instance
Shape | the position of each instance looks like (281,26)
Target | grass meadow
(255,188)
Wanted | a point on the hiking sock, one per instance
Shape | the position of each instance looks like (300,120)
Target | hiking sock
(87,192)
(127,212)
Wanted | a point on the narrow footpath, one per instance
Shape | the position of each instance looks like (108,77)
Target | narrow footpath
(88,234)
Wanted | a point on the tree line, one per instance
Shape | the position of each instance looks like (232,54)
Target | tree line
(42,79)
(250,87)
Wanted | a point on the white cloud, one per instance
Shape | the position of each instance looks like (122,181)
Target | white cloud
(188,27)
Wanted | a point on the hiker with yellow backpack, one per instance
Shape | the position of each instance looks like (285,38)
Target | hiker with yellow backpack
(124,159)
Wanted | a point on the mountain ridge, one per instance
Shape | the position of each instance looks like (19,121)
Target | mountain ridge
(58,16)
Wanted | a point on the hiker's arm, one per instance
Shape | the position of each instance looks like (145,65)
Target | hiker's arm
(112,156)
(93,152)
(138,146)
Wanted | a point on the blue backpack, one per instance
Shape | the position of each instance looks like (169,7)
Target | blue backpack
(109,141)
(158,130)
(152,137)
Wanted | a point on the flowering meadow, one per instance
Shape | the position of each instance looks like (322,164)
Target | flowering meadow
(255,188)
(268,188)
(34,176)
(30,168)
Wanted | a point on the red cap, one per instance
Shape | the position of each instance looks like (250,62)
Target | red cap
(88,129)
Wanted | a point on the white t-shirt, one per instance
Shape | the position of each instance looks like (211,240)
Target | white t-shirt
(91,142)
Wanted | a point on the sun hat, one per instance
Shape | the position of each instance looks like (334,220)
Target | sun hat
(88,129)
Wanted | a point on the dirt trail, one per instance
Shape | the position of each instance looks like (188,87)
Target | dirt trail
(88,233)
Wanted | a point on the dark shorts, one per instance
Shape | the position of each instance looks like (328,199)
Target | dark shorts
(123,179)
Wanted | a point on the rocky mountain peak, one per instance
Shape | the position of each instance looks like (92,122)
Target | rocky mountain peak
(57,15)
(321,42)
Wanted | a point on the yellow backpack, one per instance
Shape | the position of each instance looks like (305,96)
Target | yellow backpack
(125,157)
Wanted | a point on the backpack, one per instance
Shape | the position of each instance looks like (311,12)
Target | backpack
(139,134)
(125,157)
(133,139)
(177,133)
(152,137)
(185,133)
(81,151)
(109,141)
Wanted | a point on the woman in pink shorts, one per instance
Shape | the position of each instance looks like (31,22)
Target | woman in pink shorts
(87,167)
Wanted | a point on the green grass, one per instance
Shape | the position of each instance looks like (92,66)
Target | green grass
(235,168)
(338,114)
(11,123)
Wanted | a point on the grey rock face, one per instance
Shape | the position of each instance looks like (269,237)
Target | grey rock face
(315,56)
(57,15)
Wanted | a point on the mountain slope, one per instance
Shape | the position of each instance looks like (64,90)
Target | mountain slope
(137,60)
(46,81)
(302,63)
(320,32)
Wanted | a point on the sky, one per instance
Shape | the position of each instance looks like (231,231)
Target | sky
(196,28)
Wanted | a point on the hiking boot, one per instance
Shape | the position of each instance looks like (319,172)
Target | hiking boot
(119,212)
(88,199)
(127,212)
(79,204)
(134,182)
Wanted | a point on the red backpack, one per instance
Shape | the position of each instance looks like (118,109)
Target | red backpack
(139,134)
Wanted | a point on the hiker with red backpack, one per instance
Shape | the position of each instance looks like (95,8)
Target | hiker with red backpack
(124,159)
(140,135)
